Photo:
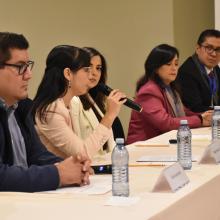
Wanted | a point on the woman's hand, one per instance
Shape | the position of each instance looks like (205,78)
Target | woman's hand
(114,103)
(207,118)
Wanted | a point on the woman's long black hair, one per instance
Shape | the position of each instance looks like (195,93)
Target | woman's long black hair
(53,84)
(159,56)
(97,96)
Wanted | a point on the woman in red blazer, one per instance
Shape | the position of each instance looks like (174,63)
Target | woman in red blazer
(157,93)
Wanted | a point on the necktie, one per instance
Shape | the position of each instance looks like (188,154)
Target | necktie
(212,84)
(211,74)
(212,81)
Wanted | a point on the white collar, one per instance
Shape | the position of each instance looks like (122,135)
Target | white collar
(208,70)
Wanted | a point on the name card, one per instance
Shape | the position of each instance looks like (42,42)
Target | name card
(172,178)
(211,154)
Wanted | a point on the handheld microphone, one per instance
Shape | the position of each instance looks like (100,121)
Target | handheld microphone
(129,103)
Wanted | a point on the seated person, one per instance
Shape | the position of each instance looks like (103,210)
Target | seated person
(157,93)
(199,75)
(87,110)
(68,74)
(25,164)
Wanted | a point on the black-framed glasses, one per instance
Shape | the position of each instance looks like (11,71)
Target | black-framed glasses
(22,68)
(210,49)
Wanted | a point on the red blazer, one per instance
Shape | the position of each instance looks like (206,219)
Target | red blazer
(157,115)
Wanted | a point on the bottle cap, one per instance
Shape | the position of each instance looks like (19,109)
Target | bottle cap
(119,141)
(183,122)
(216,107)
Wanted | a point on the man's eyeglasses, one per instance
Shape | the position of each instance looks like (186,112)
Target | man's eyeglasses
(209,49)
(22,68)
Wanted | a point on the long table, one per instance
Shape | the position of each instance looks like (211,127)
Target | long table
(199,199)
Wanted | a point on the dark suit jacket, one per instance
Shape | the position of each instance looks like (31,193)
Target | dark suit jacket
(194,85)
(41,174)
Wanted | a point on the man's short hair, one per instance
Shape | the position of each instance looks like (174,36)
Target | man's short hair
(208,33)
(11,41)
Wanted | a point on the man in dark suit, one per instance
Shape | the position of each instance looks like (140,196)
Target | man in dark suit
(25,164)
(199,75)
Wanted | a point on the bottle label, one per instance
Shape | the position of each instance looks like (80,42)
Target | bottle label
(216,117)
(172,179)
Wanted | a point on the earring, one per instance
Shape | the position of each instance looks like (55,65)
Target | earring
(69,84)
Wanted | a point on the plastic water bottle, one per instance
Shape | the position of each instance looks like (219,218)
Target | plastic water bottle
(216,123)
(184,152)
(120,179)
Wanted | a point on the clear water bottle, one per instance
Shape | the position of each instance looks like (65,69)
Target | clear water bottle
(216,123)
(184,152)
(120,179)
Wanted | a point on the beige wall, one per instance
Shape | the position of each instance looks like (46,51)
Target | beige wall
(217,14)
(123,30)
(191,17)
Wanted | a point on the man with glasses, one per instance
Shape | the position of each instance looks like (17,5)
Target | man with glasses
(25,164)
(199,75)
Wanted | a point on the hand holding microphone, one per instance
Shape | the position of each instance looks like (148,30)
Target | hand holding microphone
(129,103)
(114,102)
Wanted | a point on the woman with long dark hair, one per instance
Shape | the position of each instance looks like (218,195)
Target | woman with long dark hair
(68,74)
(89,109)
(159,97)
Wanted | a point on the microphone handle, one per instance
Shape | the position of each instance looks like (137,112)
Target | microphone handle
(133,105)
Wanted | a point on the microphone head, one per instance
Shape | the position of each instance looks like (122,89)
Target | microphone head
(104,89)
